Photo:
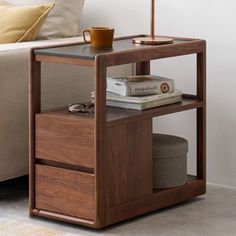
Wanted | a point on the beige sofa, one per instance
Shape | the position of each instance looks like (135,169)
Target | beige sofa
(62,84)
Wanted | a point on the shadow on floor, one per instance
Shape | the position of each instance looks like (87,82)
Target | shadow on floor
(14,189)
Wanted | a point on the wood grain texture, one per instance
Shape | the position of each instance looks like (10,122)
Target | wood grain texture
(124,47)
(120,140)
(129,162)
(100,140)
(34,107)
(156,201)
(61,217)
(65,140)
(64,60)
(143,68)
(65,192)
(119,116)
(201,114)
(154,52)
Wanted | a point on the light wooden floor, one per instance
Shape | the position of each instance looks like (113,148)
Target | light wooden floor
(211,215)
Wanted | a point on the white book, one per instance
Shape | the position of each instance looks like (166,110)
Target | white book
(140,85)
(146,105)
(143,102)
(140,99)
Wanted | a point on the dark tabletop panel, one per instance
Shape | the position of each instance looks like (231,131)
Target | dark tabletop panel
(84,51)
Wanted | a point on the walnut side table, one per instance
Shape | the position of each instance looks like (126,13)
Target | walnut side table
(96,169)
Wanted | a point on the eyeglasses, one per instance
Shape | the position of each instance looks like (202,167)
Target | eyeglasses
(81,107)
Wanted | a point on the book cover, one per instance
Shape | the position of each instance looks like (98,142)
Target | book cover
(140,85)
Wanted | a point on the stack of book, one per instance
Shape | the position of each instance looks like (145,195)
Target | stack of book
(141,92)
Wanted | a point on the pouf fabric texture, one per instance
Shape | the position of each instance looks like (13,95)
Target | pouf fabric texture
(169,161)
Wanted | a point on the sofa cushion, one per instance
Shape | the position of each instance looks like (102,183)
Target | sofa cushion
(62,21)
(21,23)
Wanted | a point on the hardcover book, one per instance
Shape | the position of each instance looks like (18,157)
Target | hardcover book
(140,85)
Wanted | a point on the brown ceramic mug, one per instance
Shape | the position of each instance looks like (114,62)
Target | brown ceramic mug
(100,37)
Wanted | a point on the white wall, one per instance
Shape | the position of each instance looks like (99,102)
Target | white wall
(213,21)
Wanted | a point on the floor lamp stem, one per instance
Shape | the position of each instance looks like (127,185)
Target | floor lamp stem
(152,19)
(152,39)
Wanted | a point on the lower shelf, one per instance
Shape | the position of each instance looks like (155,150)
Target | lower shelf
(159,199)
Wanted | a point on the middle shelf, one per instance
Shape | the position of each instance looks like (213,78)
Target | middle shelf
(118,116)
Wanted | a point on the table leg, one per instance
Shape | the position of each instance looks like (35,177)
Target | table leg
(34,107)
(201,115)
(100,141)
(143,68)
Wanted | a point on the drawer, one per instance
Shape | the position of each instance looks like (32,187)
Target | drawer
(64,191)
(64,139)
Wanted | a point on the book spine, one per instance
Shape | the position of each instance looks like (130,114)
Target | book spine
(155,87)
(133,106)
(161,102)
(160,96)
(143,99)
(136,106)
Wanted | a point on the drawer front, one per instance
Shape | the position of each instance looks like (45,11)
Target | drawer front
(64,191)
(65,140)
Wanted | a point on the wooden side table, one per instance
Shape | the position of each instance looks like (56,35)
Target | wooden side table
(96,169)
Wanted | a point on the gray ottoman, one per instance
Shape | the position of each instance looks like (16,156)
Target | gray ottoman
(169,161)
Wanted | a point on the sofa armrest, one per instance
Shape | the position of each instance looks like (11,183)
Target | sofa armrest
(61,85)
(13,109)
(39,43)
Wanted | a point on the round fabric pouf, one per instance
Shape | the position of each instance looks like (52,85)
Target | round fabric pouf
(169,161)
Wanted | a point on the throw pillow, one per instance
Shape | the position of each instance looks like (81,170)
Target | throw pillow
(63,21)
(19,24)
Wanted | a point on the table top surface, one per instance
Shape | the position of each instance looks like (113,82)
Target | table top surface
(85,51)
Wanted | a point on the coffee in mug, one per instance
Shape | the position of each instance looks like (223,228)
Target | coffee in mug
(100,37)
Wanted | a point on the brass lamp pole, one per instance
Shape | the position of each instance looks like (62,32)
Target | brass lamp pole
(152,39)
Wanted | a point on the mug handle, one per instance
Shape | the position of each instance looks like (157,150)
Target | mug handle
(84,36)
